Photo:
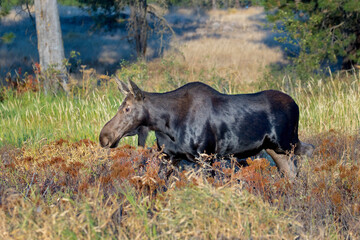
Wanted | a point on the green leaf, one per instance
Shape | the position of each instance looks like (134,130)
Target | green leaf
(8,38)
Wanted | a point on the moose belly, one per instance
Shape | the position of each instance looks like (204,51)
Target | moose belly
(240,141)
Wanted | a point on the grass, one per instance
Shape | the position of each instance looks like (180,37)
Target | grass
(66,190)
(222,213)
(233,43)
(32,117)
(57,183)
(326,104)
(78,190)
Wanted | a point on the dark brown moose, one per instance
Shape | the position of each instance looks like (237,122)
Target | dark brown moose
(196,119)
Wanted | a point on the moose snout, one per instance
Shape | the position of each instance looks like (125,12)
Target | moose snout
(105,139)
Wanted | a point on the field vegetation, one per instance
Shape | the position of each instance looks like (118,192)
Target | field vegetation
(57,183)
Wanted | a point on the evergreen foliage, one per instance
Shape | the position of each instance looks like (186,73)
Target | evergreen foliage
(326,33)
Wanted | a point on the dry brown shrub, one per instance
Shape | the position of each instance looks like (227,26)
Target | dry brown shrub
(327,190)
(263,179)
(121,169)
(26,84)
(85,142)
(60,142)
(328,186)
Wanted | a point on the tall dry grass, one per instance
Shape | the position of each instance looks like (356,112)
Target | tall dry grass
(234,43)
(79,190)
(329,103)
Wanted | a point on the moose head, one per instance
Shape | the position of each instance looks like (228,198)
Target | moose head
(129,117)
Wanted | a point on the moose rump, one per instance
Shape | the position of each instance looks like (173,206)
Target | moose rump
(196,118)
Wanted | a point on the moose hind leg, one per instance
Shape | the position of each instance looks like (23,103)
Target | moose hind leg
(304,149)
(286,164)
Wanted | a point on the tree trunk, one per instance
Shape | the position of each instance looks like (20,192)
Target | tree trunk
(238,5)
(213,4)
(139,26)
(348,61)
(50,44)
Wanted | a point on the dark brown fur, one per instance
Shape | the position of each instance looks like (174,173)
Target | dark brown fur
(196,118)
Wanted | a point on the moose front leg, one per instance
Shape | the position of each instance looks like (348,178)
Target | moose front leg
(142,133)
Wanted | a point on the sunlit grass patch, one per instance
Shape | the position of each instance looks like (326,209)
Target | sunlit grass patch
(33,118)
(329,103)
(206,212)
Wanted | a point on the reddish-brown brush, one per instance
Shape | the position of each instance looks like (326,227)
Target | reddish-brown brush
(328,185)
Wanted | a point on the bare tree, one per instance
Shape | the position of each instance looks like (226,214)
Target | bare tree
(50,43)
(213,3)
(138,26)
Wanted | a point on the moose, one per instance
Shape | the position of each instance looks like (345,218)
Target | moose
(196,119)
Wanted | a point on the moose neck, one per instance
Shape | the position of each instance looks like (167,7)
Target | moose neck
(163,108)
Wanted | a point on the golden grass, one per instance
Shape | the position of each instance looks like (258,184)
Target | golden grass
(233,43)
(205,212)
(327,104)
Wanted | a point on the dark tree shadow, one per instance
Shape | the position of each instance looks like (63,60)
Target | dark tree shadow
(102,50)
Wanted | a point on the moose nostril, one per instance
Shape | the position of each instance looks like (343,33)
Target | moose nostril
(104,141)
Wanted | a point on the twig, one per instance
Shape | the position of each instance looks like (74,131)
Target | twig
(52,181)
(152,12)
(337,26)
(29,12)
(29,186)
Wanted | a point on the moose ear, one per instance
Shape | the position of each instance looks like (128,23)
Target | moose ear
(122,86)
(136,91)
